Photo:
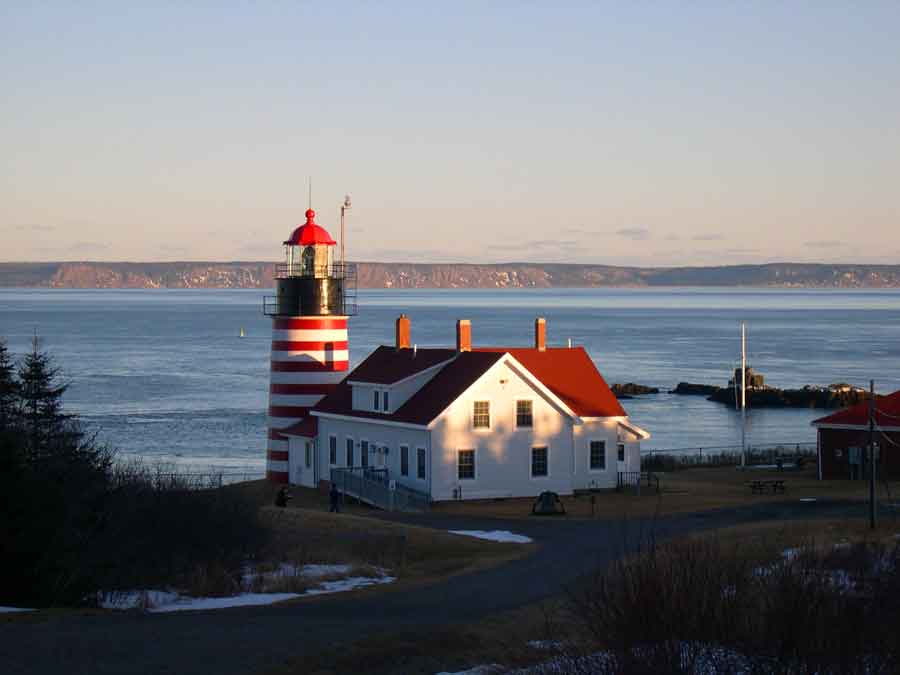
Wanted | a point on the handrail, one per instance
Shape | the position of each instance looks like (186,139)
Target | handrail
(373,485)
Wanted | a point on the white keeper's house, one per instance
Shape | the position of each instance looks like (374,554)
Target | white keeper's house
(468,423)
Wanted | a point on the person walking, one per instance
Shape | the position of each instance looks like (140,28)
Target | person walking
(335,499)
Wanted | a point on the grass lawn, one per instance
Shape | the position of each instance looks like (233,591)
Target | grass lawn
(776,536)
(306,532)
(499,639)
(684,491)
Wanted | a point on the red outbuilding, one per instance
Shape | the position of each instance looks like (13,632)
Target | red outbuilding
(843,440)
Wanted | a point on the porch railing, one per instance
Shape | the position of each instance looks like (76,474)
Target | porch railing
(636,479)
(375,487)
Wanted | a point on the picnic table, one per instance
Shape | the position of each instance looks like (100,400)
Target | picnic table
(761,487)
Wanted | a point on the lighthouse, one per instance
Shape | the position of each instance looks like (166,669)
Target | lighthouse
(314,297)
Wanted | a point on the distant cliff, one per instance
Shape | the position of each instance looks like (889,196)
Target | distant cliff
(448,275)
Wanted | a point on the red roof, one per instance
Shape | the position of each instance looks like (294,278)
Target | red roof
(387,365)
(887,414)
(309,233)
(568,372)
(308,427)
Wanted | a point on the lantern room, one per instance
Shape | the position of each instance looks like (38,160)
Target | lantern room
(309,252)
(310,282)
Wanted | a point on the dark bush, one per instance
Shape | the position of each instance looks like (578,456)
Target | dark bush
(698,606)
(73,523)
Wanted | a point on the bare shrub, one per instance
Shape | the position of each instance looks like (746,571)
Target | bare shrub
(697,606)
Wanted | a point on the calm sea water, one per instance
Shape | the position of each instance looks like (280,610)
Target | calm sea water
(162,374)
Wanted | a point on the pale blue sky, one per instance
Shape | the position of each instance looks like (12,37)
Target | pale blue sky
(624,133)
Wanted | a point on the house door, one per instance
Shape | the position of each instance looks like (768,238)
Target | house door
(621,463)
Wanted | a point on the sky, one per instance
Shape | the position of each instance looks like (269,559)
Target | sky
(652,133)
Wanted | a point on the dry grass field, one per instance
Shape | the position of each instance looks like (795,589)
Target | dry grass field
(413,554)
(306,532)
(685,491)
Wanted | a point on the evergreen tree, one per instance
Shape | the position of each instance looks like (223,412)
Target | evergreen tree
(47,429)
(9,390)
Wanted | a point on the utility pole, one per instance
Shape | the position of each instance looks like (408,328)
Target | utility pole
(872,508)
(743,394)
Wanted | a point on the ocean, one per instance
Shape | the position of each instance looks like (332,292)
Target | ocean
(164,376)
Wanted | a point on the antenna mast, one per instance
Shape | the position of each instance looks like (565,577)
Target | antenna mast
(743,394)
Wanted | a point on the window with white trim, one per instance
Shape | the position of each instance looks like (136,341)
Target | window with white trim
(384,400)
(420,463)
(539,464)
(620,448)
(404,460)
(466,464)
(376,404)
(349,444)
(364,453)
(598,455)
(308,454)
(332,450)
(481,414)
(524,416)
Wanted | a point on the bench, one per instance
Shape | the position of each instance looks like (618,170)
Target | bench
(761,487)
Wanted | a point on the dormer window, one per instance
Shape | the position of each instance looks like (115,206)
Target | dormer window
(381,400)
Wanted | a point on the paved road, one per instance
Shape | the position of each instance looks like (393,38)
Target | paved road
(246,640)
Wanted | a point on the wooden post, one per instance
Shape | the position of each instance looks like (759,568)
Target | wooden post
(872,508)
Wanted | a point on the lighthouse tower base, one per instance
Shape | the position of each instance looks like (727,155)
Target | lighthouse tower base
(309,358)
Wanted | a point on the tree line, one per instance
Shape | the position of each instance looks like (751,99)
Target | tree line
(76,520)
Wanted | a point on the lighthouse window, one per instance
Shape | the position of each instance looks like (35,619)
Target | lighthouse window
(404,460)
(349,452)
(377,405)
(481,417)
(332,450)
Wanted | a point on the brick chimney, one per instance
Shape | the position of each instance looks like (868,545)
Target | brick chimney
(540,334)
(402,332)
(463,335)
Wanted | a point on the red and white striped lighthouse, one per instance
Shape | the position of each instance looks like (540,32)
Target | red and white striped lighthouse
(309,335)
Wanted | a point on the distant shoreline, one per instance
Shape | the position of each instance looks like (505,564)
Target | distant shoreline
(259,274)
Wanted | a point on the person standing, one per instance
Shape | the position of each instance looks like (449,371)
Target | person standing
(335,499)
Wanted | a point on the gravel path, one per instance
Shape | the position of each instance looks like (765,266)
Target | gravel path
(246,640)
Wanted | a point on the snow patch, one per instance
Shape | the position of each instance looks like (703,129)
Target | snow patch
(157,601)
(807,499)
(503,536)
(10,610)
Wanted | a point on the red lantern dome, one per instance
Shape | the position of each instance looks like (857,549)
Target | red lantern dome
(309,233)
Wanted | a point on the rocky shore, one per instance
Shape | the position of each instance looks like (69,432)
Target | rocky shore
(630,390)
(832,396)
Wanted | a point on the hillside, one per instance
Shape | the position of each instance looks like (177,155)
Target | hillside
(448,275)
